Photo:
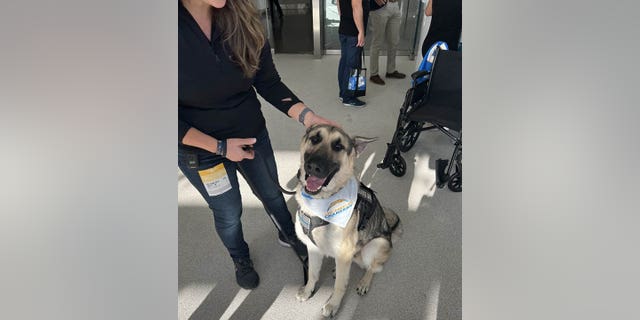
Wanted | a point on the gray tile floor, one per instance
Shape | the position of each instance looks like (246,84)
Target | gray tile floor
(422,280)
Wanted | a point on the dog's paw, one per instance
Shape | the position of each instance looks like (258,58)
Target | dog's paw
(329,310)
(304,294)
(362,288)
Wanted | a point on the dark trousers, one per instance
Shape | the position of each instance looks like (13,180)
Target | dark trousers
(350,57)
(227,207)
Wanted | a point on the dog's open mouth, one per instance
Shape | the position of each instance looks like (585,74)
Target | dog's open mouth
(315,184)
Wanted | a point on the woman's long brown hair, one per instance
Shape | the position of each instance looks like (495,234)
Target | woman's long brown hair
(243,33)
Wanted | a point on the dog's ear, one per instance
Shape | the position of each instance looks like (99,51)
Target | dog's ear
(360,143)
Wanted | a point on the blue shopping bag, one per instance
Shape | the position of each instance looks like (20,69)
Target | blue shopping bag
(357,84)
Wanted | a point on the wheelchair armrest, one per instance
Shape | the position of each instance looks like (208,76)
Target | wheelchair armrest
(419,74)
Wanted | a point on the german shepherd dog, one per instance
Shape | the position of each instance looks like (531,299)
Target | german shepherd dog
(327,156)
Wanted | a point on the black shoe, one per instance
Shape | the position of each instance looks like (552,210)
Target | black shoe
(396,75)
(298,246)
(246,276)
(353,102)
(377,80)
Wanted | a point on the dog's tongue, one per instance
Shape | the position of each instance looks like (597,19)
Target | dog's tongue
(314,183)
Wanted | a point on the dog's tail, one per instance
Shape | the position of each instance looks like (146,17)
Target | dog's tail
(394,222)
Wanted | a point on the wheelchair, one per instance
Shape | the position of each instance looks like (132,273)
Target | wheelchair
(434,101)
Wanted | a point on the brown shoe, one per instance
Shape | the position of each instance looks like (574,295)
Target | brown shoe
(377,80)
(396,75)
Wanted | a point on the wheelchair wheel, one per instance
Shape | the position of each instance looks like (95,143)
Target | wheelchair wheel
(409,135)
(398,166)
(455,182)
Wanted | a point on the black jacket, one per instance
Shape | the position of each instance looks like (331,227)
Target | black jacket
(214,96)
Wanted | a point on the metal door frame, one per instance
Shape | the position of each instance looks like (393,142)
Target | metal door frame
(317,11)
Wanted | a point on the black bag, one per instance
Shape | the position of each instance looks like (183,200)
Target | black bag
(374,5)
(357,84)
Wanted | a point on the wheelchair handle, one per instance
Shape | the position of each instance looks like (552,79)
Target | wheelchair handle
(419,74)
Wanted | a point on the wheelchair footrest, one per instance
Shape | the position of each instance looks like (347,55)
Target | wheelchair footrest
(386,162)
(441,172)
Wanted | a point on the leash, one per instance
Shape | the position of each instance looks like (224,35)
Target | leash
(304,262)
(274,179)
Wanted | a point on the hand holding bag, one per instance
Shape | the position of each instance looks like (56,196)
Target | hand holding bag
(357,85)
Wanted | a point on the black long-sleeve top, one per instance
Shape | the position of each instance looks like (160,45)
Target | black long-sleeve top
(214,96)
(446,24)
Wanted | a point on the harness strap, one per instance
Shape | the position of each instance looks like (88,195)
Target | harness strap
(365,205)
(309,223)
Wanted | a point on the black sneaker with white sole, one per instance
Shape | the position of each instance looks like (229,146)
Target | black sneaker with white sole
(353,102)
(246,276)
(301,248)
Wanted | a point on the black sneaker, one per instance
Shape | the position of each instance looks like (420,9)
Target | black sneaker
(246,276)
(298,246)
(353,102)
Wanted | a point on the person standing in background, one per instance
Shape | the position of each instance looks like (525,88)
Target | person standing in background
(446,23)
(353,24)
(278,7)
(385,25)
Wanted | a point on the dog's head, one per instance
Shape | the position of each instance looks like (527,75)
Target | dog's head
(327,158)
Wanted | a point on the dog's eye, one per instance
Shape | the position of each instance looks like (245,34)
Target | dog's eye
(315,139)
(337,146)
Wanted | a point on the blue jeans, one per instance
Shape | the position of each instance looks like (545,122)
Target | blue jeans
(227,207)
(350,57)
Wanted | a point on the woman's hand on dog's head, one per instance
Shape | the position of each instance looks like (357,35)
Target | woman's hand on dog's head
(313,119)
(237,149)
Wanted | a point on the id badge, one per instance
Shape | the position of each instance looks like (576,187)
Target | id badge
(215,180)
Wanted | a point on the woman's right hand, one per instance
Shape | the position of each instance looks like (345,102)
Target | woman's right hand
(235,151)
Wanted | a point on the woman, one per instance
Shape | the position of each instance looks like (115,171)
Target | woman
(224,59)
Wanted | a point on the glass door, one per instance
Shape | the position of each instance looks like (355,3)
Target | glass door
(331,22)
(265,18)
(412,15)
(411,11)
(292,25)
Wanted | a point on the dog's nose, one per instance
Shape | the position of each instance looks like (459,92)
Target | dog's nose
(314,169)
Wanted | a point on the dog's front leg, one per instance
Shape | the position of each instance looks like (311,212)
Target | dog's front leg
(343,267)
(315,264)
